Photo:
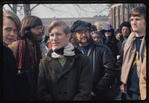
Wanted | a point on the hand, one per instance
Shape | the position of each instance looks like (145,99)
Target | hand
(92,94)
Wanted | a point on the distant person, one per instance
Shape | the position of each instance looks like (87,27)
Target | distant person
(118,34)
(110,40)
(65,73)
(93,28)
(97,24)
(125,30)
(97,36)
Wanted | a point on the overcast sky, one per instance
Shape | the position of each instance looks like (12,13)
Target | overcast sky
(65,10)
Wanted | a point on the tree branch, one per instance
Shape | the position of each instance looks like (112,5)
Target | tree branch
(34,7)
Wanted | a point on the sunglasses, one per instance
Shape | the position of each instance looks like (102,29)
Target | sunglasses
(107,30)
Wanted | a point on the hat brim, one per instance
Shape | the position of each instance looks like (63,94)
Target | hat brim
(81,28)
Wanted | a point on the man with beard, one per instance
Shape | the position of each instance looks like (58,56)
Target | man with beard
(100,57)
(29,39)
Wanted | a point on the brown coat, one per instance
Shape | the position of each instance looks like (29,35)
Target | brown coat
(129,53)
(73,81)
(143,79)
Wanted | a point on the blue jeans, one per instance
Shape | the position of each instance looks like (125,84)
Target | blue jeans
(132,96)
(128,96)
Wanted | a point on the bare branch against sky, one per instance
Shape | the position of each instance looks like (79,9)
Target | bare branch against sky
(62,10)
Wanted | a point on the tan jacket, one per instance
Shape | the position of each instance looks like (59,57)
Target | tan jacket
(128,56)
(143,79)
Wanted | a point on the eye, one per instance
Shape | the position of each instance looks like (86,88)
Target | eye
(16,30)
(8,29)
(52,35)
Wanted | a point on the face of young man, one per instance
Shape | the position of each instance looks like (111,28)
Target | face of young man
(138,24)
(37,33)
(58,38)
(83,36)
(125,31)
(10,31)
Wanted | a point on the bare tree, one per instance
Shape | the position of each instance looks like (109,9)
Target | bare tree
(27,8)
(13,7)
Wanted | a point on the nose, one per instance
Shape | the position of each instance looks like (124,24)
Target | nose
(84,34)
(55,37)
(12,33)
(40,31)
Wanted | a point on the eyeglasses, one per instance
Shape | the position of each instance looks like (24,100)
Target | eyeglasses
(107,30)
(38,28)
(82,32)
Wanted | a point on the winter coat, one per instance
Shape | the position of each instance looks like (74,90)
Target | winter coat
(73,81)
(103,67)
(30,59)
(128,57)
(112,44)
(10,70)
(143,79)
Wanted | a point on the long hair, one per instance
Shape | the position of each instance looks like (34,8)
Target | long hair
(12,16)
(27,23)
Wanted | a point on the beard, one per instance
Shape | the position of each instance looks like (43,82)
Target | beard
(81,41)
(36,37)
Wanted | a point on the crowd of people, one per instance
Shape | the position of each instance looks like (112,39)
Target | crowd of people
(74,63)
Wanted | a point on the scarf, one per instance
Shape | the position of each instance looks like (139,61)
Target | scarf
(68,50)
(129,49)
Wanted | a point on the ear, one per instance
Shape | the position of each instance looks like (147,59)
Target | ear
(68,36)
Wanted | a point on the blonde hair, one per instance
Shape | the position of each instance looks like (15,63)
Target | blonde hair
(66,28)
(12,16)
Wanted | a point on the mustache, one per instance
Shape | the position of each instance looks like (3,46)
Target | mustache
(84,37)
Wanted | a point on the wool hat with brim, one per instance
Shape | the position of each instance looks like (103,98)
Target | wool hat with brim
(80,25)
(108,27)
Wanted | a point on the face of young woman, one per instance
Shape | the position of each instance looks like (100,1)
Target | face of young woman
(58,38)
(10,31)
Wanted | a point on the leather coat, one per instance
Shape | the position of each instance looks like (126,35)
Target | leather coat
(103,66)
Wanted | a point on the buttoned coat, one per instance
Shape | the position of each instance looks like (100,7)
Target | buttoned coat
(73,81)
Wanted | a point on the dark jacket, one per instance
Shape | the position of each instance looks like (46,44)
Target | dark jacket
(10,69)
(119,63)
(73,81)
(112,44)
(103,67)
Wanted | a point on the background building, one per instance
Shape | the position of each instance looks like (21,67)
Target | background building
(120,12)
(103,20)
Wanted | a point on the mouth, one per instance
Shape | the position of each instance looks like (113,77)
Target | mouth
(55,44)
(10,40)
(84,38)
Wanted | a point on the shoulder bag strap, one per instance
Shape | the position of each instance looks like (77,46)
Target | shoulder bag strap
(20,52)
